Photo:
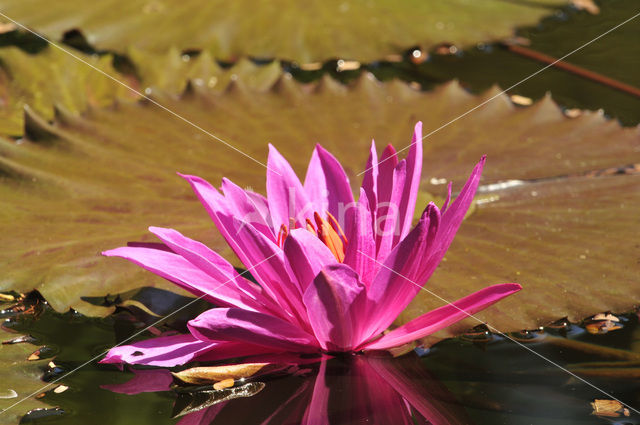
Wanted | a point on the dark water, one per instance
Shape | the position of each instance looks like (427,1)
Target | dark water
(476,379)
(616,55)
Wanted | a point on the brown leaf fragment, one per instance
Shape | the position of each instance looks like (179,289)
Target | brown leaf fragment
(34,356)
(610,408)
(207,374)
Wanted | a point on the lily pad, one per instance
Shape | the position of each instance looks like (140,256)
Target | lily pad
(316,31)
(20,378)
(53,77)
(88,183)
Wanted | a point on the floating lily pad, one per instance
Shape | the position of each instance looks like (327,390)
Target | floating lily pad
(54,77)
(20,378)
(85,184)
(363,31)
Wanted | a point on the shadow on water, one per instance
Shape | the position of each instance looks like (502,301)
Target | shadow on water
(479,378)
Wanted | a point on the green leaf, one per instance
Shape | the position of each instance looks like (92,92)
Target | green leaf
(364,31)
(85,184)
(53,77)
(20,378)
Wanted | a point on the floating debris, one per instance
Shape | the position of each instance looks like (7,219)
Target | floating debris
(602,323)
(521,100)
(610,408)
(343,65)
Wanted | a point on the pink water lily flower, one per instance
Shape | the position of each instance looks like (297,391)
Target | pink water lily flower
(333,273)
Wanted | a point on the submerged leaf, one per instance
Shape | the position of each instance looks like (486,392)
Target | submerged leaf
(193,402)
(81,185)
(317,31)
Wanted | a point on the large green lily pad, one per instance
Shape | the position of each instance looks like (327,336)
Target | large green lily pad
(84,184)
(306,32)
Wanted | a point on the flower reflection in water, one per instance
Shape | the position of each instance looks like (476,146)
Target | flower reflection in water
(342,390)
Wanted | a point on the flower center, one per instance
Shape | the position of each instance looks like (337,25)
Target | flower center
(328,231)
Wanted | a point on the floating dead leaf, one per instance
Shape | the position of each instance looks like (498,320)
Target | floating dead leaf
(208,374)
(610,408)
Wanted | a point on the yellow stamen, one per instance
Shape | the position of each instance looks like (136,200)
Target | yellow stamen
(330,237)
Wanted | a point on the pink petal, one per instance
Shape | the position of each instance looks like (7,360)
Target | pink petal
(213,201)
(392,288)
(143,381)
(327,184)
(218,268)
(306,255)
(285,194)
(386,225)
(317,413)
(165,351)
(360,252)
(233,324)
(335,304)
(178,270)
(412,183)
(248,208)
(444,316)
(267,263)
(370,180)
